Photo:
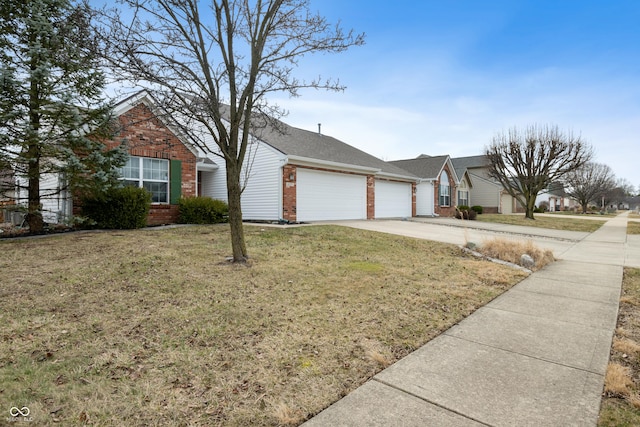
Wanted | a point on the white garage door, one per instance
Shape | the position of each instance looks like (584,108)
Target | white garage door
(393,199)
(506,204)
(330,196)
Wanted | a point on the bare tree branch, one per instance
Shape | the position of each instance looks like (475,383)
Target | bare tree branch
(589,182)
(212,68)
(526,162)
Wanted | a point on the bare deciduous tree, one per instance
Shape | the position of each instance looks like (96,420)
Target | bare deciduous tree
(589,182)
(215,67)
(526,162)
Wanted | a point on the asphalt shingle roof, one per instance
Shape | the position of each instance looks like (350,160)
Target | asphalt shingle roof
(426,167)
(293,141)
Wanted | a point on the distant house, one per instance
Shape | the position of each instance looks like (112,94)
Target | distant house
(633,203)
(7,191)
(440,189)
(487,192)
(557,198)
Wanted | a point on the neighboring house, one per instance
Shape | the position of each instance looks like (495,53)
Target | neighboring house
(290,174)
(633,203)
(557,199)
(55,198)
(7,192)
(437,191)
(487,192)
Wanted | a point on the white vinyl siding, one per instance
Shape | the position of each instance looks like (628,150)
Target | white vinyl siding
(55,200)
(261,199)
(484,193)
(393,199)
(325,196)
(424,199)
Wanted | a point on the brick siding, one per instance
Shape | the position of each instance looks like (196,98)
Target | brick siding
(289,196)
(371,197)
(147,136)
(447,211)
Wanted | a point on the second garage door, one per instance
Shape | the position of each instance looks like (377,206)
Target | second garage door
(393,199)
(323,196)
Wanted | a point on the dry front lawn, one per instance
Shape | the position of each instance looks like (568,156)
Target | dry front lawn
(555,223)
(621,402)
(153,327)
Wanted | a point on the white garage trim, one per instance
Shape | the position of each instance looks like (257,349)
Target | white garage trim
(323,196)
(393,199)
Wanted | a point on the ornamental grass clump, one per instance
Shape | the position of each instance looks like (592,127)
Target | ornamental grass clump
(512,251)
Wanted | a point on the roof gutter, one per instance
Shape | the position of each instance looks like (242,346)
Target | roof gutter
(206,165)
(397,177)
(307,161)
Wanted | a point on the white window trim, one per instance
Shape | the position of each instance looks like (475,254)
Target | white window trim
(141,180)
(467,197)
(442,195)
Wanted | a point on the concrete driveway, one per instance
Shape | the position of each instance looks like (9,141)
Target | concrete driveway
(457,232)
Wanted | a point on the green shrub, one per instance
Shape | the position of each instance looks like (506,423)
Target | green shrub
(477,209)
(463,208)
(118,208)
(202,210)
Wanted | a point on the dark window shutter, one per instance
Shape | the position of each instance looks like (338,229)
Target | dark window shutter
(175,186)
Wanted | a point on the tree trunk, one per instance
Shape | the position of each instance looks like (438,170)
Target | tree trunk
(34,209)
(530,206)
(234,193)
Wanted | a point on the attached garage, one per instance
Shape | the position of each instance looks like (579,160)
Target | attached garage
(392,199)
(506,203)
(324,196)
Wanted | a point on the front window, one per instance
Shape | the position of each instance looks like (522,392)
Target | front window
(463,198)
(151,174)
(444,190)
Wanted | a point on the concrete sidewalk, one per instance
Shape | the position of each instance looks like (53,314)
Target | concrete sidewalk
(535,356)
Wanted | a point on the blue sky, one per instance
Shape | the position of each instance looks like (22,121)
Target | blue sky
(442,77)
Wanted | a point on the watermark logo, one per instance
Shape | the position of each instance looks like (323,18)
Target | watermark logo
(16,413)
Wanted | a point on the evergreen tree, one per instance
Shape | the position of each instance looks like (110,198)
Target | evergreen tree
(52,114)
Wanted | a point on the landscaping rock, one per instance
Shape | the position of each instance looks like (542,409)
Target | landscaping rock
(527,261)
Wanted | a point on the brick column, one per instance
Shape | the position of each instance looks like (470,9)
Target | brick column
(414,206)
(289,196)
(371,197)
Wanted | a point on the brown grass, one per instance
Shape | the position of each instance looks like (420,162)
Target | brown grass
(154,328)
(287,416)
(554,223)
(621,402)
(633,227)
(617,381)
(512,251)
(626,346)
